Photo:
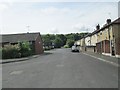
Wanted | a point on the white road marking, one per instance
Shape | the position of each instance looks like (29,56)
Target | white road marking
(115,64)
(16,72)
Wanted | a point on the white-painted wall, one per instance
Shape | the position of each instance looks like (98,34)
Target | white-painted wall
(87,41)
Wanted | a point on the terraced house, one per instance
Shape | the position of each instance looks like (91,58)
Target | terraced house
(109,38)
(88,42)
(105,40)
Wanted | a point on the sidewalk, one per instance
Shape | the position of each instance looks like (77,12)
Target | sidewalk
(17,59)
(23,59)
(104,57)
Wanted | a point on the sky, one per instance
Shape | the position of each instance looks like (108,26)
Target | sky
(55,17)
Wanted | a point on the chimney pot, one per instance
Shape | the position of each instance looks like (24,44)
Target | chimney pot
(98,27)
(108,21)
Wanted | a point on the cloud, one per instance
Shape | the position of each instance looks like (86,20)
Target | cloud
(59,0)
(97,16)
(3,7)
(54,11)
(82,27)
(54,31)
(50,10)
(56,19)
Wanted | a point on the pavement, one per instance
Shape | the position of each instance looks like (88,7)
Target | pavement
(4,61)
(17,59)
(60,68)
(108,59)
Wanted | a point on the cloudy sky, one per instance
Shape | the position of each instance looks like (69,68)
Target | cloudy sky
(55,17)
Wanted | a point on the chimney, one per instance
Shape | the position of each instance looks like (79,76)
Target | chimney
(98,27)
(108,21)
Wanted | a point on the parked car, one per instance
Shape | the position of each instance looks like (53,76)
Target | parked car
(75,48)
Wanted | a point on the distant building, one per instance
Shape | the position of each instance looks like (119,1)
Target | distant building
(34,39)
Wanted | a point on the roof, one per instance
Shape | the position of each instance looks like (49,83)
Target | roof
(12,38)
(89,34)
(117,21)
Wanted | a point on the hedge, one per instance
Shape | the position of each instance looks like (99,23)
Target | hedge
(16,51)
(11,51)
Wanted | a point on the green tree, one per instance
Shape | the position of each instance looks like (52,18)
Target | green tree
(47,40)
(58,42)
(66,39)
(70,36)
(63,38)
(70,42)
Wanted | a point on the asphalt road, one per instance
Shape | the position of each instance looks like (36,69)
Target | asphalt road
(60,68)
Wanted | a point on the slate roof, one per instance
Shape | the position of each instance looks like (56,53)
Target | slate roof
(117,21)
(12,38)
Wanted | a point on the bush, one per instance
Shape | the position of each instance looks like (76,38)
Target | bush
(66,46)
(25,49)
(11,51)
(15,51)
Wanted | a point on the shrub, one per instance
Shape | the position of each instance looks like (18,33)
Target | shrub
(11,51)
(25,49)
(15,51)
(66,46)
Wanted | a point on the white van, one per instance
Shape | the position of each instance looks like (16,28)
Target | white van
(75,48)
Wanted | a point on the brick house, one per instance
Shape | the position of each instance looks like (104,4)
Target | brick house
(34,39)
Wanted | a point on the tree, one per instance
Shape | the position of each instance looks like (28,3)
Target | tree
(70,42)
(58,42)
(69,36)
(63,38)
(47,40)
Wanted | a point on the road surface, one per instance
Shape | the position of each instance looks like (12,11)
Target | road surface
(60,68)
